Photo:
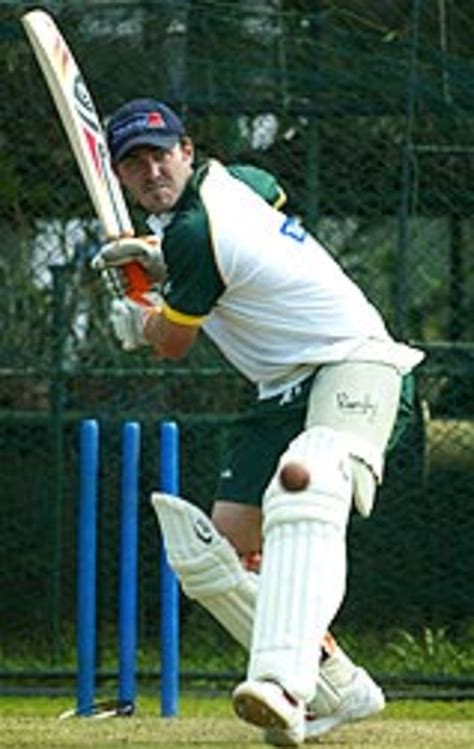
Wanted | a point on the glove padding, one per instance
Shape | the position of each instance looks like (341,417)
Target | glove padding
(143,250)
(128,319)
(131,267)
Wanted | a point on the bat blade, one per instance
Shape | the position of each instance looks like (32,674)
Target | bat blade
(80,120)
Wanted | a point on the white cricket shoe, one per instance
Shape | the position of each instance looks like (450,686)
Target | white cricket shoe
(267,705)
(360,698)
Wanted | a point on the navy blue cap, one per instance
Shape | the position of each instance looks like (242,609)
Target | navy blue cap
(142,122)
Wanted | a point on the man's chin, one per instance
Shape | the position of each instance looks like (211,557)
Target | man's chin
(157,205)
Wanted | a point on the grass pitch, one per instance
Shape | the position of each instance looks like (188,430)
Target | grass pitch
(33,723)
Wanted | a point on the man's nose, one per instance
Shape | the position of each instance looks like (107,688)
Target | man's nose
(151,166)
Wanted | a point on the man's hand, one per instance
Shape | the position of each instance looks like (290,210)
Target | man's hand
(132,268)
(128,319)
(143,250)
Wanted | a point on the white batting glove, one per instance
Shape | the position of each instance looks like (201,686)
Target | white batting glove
(143,250)
(128,319)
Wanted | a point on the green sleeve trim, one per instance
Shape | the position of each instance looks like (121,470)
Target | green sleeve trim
(261,181)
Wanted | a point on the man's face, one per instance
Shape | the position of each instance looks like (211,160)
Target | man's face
(156,177)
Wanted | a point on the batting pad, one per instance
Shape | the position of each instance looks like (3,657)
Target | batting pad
(302,578)
(207,565)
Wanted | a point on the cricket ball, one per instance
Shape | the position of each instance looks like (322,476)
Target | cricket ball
(294,477)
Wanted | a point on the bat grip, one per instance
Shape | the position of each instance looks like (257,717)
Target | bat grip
(138,282)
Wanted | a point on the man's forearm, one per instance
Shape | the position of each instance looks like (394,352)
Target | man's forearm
(169,340)
(154,330)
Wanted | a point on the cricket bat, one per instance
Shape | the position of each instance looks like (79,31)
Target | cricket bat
(83,128)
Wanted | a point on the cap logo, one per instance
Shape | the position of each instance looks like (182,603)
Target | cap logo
(155,119)
(137,124)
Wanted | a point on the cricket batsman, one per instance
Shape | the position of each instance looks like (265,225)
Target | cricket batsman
(224,260)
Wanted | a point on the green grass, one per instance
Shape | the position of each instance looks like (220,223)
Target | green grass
(32,722)
(209,722)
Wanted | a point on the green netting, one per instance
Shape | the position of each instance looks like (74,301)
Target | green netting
(365,111)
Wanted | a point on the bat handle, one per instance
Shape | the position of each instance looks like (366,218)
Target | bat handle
(137,281)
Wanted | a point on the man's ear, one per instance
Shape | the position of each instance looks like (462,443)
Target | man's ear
(187,146)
